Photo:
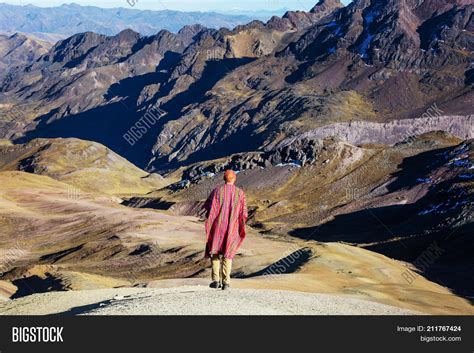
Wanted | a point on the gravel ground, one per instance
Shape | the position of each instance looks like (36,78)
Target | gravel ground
(193,300)
(199,300)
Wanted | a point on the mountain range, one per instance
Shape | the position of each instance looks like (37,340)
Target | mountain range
(262,81)
(349,124)
(69,19)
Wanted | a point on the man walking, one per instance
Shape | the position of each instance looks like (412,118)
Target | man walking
(225,228)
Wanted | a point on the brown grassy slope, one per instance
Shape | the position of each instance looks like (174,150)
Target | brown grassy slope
(88,166)
(92,242)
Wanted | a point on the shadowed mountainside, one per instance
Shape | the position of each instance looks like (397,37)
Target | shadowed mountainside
(371,61)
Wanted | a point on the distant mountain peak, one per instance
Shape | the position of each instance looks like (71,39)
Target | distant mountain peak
(128,35)
(326,6)
(19,49)
(191,29)
(302,19)
(18,36)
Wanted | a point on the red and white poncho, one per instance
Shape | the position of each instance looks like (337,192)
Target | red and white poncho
(225,226)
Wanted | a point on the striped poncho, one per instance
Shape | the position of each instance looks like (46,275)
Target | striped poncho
(225,226)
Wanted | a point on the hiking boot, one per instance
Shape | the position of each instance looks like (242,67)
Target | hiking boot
(215,285)
(225,286)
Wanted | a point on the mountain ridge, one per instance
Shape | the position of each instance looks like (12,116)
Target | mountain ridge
(108,21)
(19,49)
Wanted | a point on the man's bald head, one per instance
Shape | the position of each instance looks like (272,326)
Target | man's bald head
(229,176)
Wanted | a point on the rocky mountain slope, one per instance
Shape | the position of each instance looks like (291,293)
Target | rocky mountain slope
(19,50)
(259,83)
(98,77)
(325,76)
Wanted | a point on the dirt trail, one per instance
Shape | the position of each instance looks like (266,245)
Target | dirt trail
(195,300)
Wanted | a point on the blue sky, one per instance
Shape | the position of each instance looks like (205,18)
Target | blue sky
(183,5)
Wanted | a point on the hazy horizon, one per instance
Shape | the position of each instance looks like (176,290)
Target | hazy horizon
(182,5)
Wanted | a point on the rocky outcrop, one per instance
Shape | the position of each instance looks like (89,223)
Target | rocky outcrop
(326,7)
(297,154)
(364,132)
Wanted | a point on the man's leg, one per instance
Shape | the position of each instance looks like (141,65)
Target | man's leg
(221,264)
(226,270)
(216,268)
